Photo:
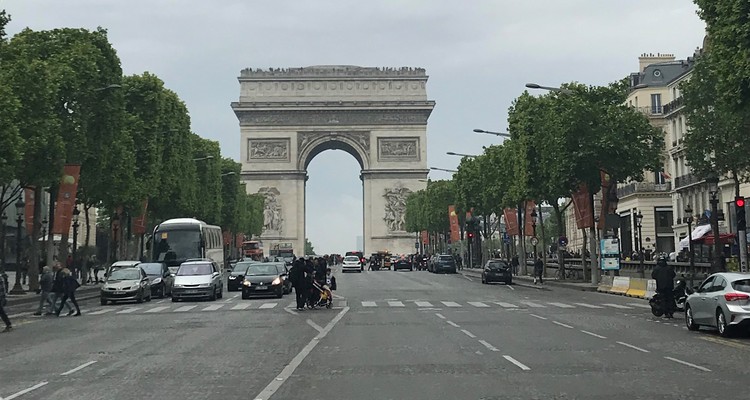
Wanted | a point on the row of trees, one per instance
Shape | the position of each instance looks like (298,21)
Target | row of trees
(65,100)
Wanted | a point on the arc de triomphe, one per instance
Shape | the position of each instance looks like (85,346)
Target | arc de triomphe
(378,115)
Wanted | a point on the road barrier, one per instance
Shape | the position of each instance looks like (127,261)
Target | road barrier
(620,285)
(605,285)
(637,288)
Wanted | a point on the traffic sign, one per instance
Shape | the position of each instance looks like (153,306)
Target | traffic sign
(563,241)
(534,241)
(416,245)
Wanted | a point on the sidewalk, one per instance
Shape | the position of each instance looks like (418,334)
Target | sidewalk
(528,281)
(84,292)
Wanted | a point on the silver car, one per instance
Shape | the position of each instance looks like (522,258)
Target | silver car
(722,301)
(198,279)
(126,284)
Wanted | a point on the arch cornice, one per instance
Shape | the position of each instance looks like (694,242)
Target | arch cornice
(312,143)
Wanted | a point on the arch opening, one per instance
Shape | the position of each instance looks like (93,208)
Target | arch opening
(333,142)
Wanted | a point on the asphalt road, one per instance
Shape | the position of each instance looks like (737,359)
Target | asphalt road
(390,335)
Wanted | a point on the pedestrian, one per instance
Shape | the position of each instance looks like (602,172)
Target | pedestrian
(514,264)
(70,284)
(539,270)
(664,276)
(58,291)
(24,266)
(3,303)
(45,291)
(297,277)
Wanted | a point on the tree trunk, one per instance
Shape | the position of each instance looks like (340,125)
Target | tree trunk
(50,226)
(86,209)
(560,233)
(584,259)
(33,271)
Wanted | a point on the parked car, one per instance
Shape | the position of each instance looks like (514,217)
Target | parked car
(721,301)
(126,284)
(265,279)
(160,278)
(443,263)
(497,270)
(198,279)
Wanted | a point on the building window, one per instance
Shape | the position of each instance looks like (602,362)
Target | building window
(674,130)
(664,221)
(656,103)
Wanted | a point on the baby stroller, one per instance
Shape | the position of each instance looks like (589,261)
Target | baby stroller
(321,296)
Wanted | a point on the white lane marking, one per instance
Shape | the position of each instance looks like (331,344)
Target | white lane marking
(450,304)
(561,305)
(213,307)
(369,304)
(27,390)
(128,310)
(159,302)
(423,304)
(441,316)
(185,308)
(532,304)
(314,325)
(538,316)
(342,303)
(517,363)
(467,333)
(451,323)
(265,306)
(241,306)
(489,346)
(510,287)
(563,325)
(688,364)
(157,309)
(78,368)
(290,311)
(395,304)
(640,305)
(618,306)
(633,347)
(478,304)
(593,334)
(470,280)
(272,387)
(100,312)
(587,305)
(505,305)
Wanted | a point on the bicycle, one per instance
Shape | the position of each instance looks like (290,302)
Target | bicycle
(570,274)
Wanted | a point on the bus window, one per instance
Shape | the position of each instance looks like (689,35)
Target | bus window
(177,245)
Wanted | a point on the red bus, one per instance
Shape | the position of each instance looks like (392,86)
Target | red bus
(252,249)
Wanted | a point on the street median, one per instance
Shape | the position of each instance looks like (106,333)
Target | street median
(83,293)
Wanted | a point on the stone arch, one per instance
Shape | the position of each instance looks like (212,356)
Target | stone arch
(313,143)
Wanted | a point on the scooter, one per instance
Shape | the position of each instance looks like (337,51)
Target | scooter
(680,292)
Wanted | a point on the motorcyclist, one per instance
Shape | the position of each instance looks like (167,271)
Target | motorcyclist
(664,276)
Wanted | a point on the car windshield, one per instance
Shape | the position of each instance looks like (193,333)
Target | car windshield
(743,285)
(261,269)
(351,258)
(497,265)
(241,267)
(151,268)
(125,274)
(195,269)
(445,259)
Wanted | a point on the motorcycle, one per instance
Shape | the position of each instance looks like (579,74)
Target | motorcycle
(680,292)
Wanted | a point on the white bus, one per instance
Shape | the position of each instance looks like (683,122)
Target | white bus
(180,239)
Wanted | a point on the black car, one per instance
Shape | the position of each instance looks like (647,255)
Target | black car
(443,263)
(497,271)
(266,279)
(161,278)
(237,275)
(402,263)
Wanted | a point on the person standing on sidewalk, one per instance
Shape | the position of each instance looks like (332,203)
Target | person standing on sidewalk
(514,264)
(70,285)
(45,287)
(3,302)
(538,270)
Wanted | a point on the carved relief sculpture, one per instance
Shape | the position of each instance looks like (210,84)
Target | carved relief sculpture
(268,150)
(272,221)
(395,208)
(398,149)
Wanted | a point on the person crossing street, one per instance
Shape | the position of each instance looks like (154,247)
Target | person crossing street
(3,303)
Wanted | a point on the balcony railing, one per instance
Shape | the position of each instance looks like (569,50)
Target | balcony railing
(655,111)
(643,187)
(685,180)
(674,105)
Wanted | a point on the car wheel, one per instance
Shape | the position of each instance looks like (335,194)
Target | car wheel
(212,297)
(244,296)
(162,292)
(280,294)
(149,296)
(103,301)
(689,321)
(721,323)
(221,292)
(139,299)
(175,299)
(509,282)
(484,280)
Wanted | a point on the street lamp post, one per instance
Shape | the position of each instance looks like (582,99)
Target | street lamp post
(450,153)
(115,227)
(501,134)
(641,266)
(551,89)
(44,238)
(443,169)
(76,214)
(713,190)
(3,276)
(17,288)
(534,217)
(689,220)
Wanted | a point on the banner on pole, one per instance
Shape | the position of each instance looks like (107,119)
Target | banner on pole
(66,199)
(29,209)
(455,229)
(583,207)
(139,224)
(528,221)
(425,238)
(511,221)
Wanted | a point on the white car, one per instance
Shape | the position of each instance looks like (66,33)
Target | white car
(351,263)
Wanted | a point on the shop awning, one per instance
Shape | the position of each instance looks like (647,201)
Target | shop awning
(698,233)
(708,240)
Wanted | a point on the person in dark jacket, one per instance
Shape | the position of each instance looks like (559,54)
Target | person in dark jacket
(46,280)
(514,264)
(538,270)
(70,285)
(3,315)
(57,289)
(297,277)
(664,276)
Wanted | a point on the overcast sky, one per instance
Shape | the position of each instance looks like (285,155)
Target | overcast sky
(478,54)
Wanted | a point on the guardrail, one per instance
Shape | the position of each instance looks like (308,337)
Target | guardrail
(629,268)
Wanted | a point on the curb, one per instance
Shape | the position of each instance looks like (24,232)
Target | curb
(569,286)
(33,298)
(516,279)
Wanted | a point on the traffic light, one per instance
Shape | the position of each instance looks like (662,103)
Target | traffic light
(470,235)
(739,208)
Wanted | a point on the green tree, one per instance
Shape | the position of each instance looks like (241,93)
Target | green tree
(414,217)
(231,190)
(208,184)
(309,249)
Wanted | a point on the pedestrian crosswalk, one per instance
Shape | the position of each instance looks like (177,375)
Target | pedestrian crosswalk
(493,304)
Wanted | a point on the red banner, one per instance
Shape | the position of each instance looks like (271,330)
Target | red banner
(227,236)
(29,209)
(139,224)
(583,207)
(425,237)
(511,221)
(528,227)
(455,229)
(117,223)
(66,198)
(238,239)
